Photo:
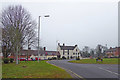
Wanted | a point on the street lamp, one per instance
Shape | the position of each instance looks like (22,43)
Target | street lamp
(39,35)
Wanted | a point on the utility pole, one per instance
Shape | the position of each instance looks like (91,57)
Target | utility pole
(38,38)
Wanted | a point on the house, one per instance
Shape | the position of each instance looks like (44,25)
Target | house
(113,52)
(51,54)
(68,52)
(46,54)
(34,53)
(24,54)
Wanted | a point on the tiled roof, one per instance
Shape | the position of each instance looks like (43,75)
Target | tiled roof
(51,53)
(112,49)
(67,47)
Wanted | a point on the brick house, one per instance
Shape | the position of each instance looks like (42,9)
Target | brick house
(34,53)
(113,52)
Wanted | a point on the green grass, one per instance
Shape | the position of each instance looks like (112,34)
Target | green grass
(93,61)
(33,69)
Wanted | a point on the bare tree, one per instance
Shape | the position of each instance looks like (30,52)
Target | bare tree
(18,28)
(92,52)
(100,50)
(86,51)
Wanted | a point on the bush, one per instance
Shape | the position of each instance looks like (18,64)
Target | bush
(60,59)
(77,58)
(6,60)
(71,57)
(11,60)
(49,58)
(98,58)
(63,57)
(54,58)
(105,57)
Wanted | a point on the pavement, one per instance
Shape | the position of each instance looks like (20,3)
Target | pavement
(88,70)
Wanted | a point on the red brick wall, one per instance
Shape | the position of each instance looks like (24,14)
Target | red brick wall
(18,56)
(117,52)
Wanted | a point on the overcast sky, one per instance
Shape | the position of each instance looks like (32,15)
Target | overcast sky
(83,22)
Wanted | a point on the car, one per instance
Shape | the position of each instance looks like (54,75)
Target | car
(29,59)
(37,58)
(22,59)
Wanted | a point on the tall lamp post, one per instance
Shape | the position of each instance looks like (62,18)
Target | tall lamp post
(39,35)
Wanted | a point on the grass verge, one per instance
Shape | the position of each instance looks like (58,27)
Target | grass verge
(93,61)
(33,69)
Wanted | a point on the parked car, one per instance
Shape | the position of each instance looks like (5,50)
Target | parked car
(29,59)
(22,59)
(33,59)
(37,58)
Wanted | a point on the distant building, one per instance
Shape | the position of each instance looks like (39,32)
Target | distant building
(68,51)
(113,52)
(34,53)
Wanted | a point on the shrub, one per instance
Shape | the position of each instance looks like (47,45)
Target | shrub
(63,57)
(49,58)
(77,58)
(98,58)
(59,58)
(54,58)
(105,57)
(6,60)
(71,57)
(11,60)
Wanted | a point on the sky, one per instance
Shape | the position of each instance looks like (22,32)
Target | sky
(81,22)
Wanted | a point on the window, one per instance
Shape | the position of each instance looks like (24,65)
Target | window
(68,57)
(63,52)
(68,52)
(76,49)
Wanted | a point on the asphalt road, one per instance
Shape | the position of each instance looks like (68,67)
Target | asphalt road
(89,70)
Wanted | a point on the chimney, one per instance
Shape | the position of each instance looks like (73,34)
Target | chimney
(58,44)
(63,44)
(29,48)
(44,48)
(110,47)
(75,45)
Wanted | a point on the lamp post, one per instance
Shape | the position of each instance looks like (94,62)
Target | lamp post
(39,35)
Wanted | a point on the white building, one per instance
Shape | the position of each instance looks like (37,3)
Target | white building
(68,52)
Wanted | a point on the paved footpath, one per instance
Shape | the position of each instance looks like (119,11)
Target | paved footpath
(89,70)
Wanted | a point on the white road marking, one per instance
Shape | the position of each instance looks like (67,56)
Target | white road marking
(68,70)
(108,71)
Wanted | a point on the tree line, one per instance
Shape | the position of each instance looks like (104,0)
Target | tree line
(99,51)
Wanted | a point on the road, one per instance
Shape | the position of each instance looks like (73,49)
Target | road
(89,70)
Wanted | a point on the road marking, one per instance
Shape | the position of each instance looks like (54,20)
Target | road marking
(77,75)
(69,71)
(108,71)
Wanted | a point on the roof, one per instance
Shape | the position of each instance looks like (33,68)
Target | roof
(67,47)
(112,49)
(51,53)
